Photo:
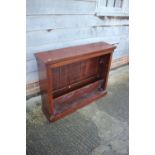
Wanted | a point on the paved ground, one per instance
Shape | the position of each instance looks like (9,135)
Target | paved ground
(98,129)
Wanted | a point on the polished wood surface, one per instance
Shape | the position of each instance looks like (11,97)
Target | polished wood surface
(73,77)
(72,52)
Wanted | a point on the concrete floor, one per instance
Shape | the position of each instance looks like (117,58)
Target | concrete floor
(100,128)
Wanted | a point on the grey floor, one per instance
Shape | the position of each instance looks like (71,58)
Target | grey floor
(100,128)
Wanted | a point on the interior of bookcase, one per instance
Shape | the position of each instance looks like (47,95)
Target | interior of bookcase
(79,81)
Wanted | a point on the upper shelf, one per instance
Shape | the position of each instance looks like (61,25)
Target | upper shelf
(57,55)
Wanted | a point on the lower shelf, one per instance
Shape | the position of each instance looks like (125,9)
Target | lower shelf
(76,99)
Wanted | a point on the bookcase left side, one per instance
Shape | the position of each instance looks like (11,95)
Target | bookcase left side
(44,87)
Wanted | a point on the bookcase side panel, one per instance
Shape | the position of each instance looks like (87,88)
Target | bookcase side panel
(43,82)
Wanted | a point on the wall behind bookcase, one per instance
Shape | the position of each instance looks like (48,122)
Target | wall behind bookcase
(53,24)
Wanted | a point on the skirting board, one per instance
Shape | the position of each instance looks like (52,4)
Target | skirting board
(32,89)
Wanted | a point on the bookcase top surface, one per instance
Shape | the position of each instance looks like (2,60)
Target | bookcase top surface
(57,55)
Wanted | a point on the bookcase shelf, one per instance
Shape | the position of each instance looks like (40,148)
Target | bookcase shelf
(73,77)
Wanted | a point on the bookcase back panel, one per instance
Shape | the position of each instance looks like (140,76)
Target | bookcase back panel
(72,76)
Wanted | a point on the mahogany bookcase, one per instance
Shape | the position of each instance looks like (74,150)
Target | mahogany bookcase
(73,77)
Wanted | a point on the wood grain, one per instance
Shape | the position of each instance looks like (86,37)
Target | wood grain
(73,77)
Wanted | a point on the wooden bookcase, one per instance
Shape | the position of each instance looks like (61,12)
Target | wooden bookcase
(73,77)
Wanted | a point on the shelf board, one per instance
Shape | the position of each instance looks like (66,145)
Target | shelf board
(77,99)
(73,106)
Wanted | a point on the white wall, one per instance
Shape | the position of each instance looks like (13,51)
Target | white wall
(54,24)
